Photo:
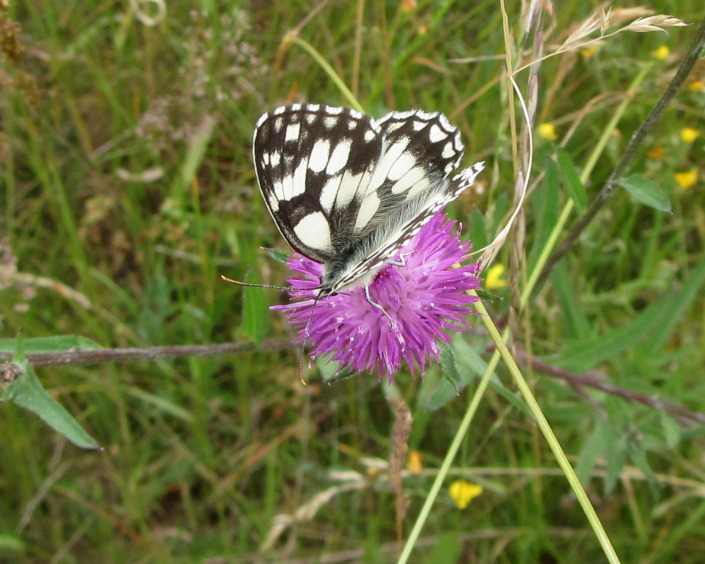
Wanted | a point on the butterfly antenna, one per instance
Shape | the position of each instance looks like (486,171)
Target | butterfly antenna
(238,283)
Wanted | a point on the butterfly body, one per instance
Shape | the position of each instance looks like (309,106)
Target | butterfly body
(349,191)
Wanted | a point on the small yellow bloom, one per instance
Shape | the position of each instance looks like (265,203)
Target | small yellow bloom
(547,131)
(588,52)
(414,465)
(656,153)
(493,280)
(661,54)
(687,179)
(688,134)
(463,492)
(697,86)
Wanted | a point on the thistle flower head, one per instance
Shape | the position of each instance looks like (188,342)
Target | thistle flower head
(419,297)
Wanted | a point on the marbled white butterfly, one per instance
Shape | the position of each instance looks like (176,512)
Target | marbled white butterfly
(347,190)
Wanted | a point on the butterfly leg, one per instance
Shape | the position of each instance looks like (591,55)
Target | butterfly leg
(370,301)
(401,261)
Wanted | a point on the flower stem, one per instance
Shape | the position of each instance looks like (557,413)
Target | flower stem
(545,428)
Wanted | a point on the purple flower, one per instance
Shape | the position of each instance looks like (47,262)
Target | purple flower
(424,299)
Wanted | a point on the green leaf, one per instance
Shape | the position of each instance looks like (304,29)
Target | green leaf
(682,302)
(446,550)
(545,208)
(638,457)
(27,392)
(647,192)
(279,256)
(450,385)
(671,429)
(616,459)
(573,185)
(593,447)
(254,309)
(460,364)
(478,229)
(586,354)
(577,325)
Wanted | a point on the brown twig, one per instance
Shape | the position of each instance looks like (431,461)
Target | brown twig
(597,381)
(99,356)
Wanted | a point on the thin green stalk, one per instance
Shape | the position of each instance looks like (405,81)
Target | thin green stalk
(450,456)
(503,352)
(584,176)
(550,437)
(291,38)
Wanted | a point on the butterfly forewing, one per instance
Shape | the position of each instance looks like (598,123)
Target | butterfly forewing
(349,191)
(313,165)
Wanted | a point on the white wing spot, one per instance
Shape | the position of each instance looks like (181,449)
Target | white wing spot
(412,177)
(275,158)
(264,159)
(313,107)
(369,135)
(279,111)
(436,134)
(401,166)
(369,207)
(292,132)
(339,157)
(313,231)
(330,122)
(448,150)
(320,154)
(329,192)
(298,183)
(401,116)
(391,127)
(278,124)
(334,110)
(445,124)
(348,187)
(418,125)
(273,201)
(278,189)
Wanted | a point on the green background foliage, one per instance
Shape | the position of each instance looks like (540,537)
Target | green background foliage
(127,189)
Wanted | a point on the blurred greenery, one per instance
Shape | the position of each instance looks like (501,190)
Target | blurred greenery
(127,189)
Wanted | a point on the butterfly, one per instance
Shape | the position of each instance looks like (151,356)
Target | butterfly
(349,191)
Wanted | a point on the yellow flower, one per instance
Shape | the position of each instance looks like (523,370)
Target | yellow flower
(414,465)
(493,280)
(547,131)
(661,54)
(687,179)
(589,51)
(688,134)
(463,492)
(697,86)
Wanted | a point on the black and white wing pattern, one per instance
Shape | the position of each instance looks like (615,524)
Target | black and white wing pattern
(349,191)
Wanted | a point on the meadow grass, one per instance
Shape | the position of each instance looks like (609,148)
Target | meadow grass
(127,189)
